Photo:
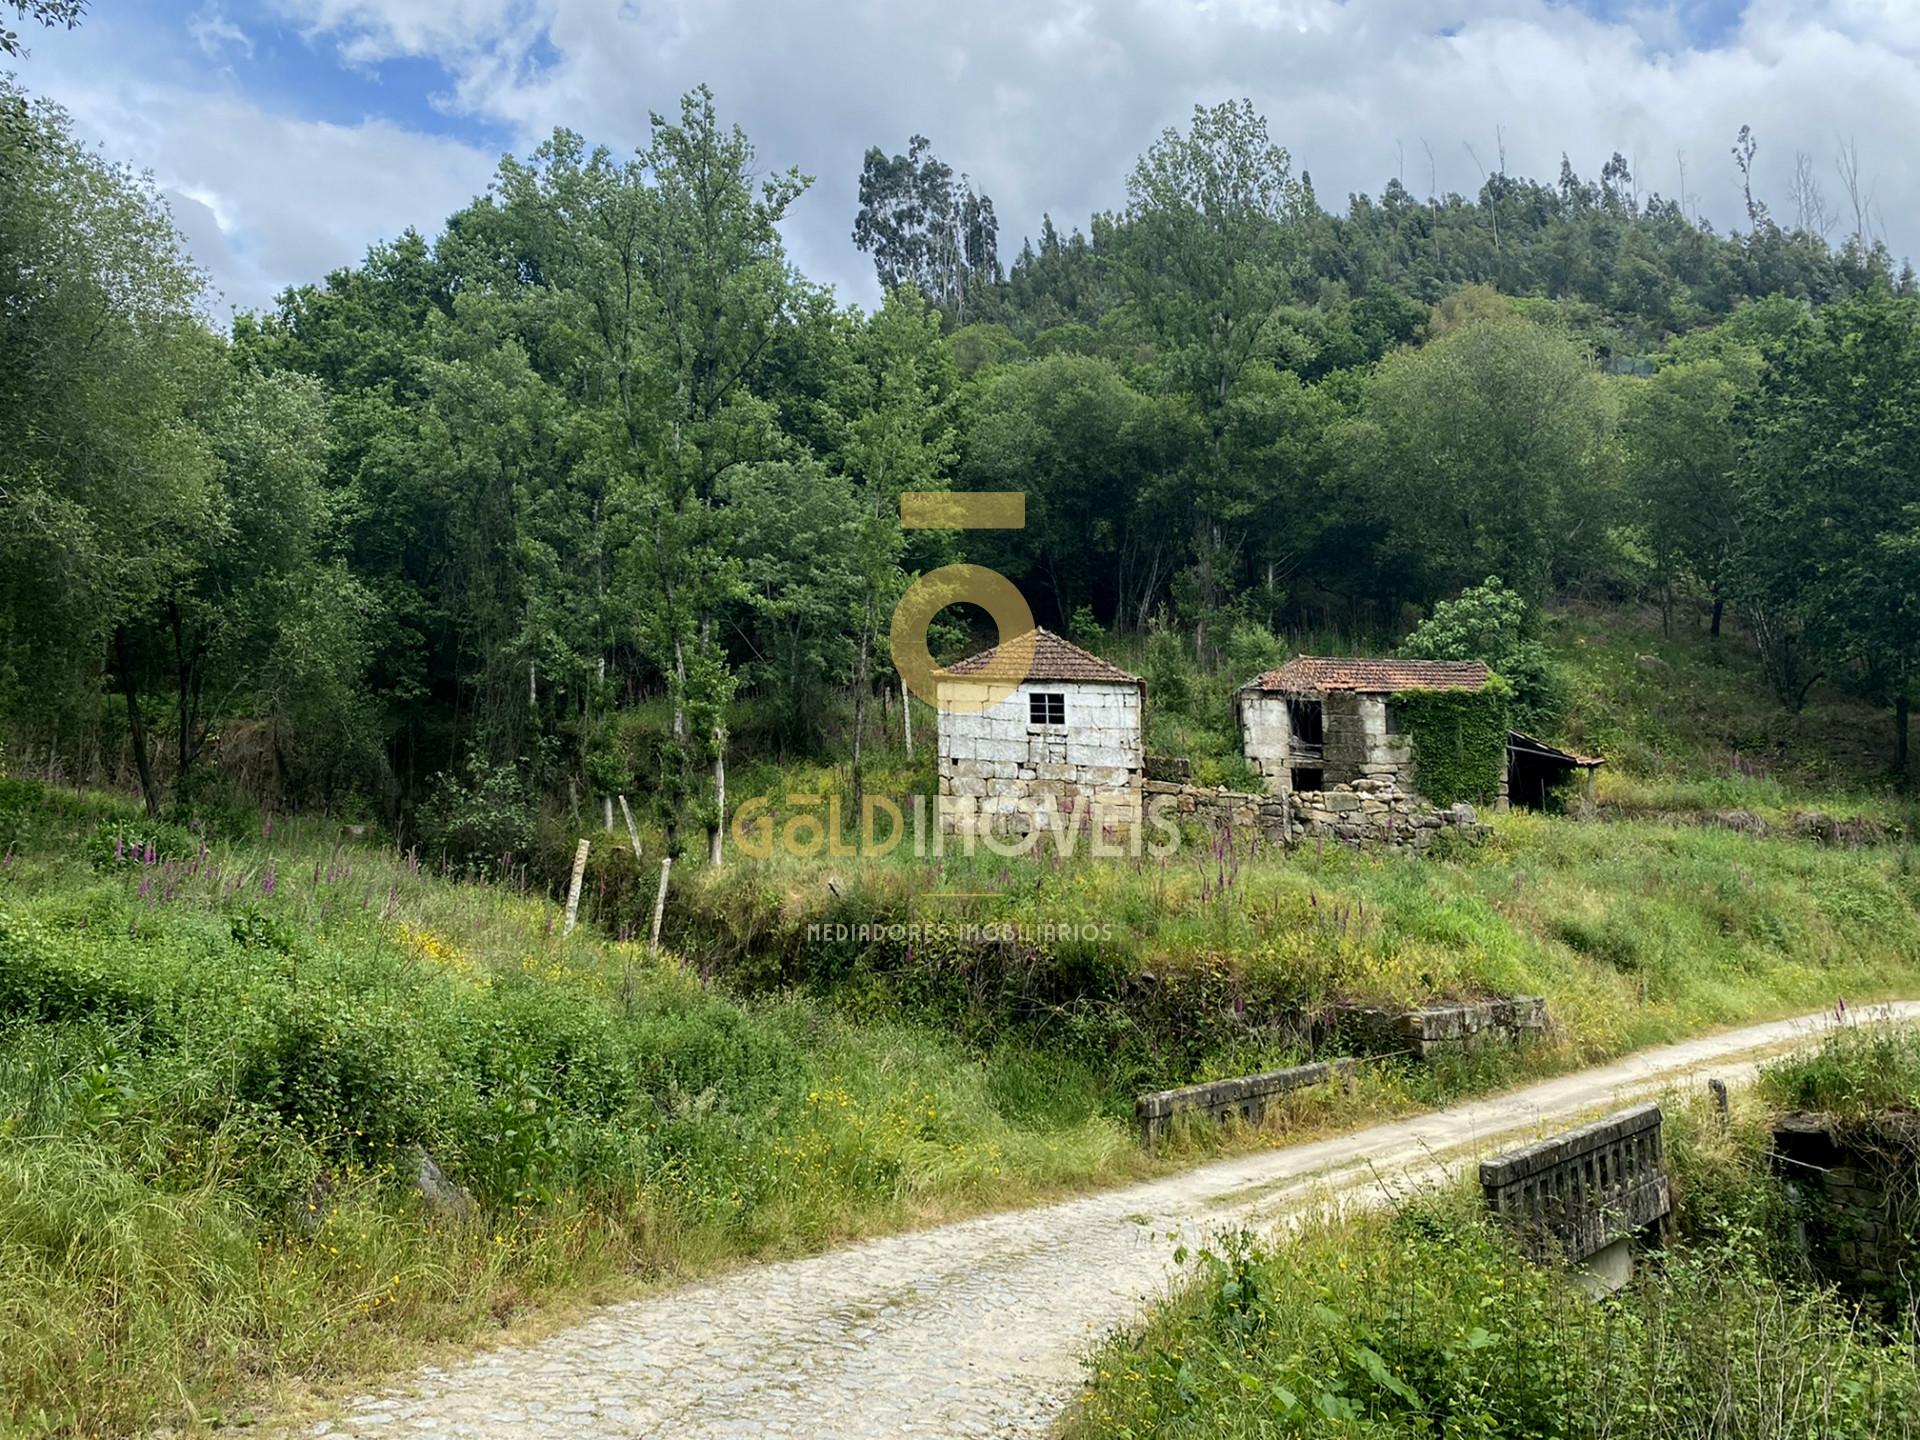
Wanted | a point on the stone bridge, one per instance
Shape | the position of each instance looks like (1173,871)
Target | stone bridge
(1583,1195)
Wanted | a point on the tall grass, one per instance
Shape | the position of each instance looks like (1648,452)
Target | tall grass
(1637,933)
(221,1064)
(1858,1072)
(1429,1321)
(1688,723)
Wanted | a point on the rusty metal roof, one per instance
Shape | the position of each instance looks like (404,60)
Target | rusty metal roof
(1546,749)
(1318,674)
(1053,659)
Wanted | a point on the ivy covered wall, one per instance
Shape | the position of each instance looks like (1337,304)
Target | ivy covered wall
(1459,740)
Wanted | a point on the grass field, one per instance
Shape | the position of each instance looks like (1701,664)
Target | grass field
(219,1068)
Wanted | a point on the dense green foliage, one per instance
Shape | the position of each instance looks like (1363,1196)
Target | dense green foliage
(1492,623)
(221,1062)
(597,446)
(1432,1323)
(1854,1074)
(1459,740)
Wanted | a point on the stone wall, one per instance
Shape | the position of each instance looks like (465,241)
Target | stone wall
(1439,1029)
(1376,812)
(1857,1191)
(1368,813)
(1266,733)
(1015,770)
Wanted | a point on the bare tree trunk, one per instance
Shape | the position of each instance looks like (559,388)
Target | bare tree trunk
(1901,706)
(1719,609)
(679,691)
(716,832)
(906,717)
(860,707)
(136,727)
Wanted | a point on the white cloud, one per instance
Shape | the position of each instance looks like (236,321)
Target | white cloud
(267,200)
(1047,102)
(369,31)
(214,33)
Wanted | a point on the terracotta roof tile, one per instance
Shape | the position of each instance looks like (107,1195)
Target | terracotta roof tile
(1373,677)
(1053,659)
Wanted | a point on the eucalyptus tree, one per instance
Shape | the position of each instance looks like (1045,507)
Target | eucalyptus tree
(928,228)
(901,438)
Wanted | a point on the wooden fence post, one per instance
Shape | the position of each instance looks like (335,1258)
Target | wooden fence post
(660,902)
(573,888)
(633,832)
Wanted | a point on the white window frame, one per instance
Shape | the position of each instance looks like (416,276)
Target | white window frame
(1041,709)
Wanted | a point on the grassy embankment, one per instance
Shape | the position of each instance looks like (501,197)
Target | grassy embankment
(1428,1320)
(1689,728)
(217,1070)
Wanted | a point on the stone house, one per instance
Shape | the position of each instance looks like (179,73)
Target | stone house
(1318,724)
(1068,739)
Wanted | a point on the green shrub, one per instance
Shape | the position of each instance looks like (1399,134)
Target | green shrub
(1856,1071)
(477,824)
(118,843)
(1173,679)
(1459,741)
(1489,622)
(1252,650)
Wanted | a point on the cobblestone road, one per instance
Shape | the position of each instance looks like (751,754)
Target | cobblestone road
(976,1328)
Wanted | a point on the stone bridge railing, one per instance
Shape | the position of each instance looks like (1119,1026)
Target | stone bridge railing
(1574,1195)
(1245,1097)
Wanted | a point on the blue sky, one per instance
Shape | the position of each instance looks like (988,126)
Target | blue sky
(1705,22)
(291,134)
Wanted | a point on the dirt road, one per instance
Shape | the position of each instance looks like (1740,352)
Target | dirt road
(976,1328)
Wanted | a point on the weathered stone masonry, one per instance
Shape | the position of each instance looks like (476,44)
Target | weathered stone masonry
(1858,1195)
(1067,740)
(1367,813)
(1327,725)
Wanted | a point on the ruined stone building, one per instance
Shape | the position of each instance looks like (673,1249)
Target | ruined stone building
(1067,738)
(1317,725)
